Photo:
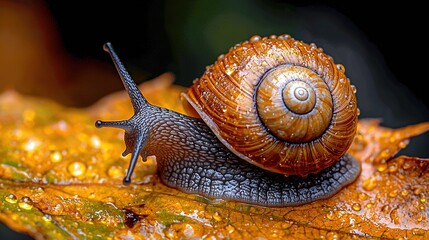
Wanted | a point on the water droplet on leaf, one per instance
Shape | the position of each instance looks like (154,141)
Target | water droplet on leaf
(25,203)
(76,168)
(369,184)
(356,207)
(11,199)
(56,157)
(115,171)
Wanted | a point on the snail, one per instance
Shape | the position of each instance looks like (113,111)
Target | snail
(276,117)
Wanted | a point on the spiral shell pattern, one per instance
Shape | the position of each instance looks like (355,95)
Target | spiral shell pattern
(278,103)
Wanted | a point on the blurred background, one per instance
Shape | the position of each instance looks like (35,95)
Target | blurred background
(53,49)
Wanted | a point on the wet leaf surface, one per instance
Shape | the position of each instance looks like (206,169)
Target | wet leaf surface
(61,177)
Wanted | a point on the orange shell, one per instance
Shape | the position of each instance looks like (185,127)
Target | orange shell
(231,98)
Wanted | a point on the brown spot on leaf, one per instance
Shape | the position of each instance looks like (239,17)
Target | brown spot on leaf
(131,218)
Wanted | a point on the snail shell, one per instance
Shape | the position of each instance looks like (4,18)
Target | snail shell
(278,103)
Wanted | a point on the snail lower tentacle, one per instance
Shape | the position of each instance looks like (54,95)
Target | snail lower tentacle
(192,158)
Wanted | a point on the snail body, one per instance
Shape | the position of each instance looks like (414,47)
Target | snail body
(277,117)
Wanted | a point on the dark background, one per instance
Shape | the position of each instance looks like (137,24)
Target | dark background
(383,48)
(150,34)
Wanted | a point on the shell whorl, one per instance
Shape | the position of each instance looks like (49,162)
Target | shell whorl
(278,103)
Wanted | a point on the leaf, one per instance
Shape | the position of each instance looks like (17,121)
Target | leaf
(62,178)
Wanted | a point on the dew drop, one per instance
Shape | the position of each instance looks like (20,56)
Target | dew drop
(404,192)
(353,88)
(115,171)
(284,36)
(286,224)
(216,217)
(378,195)
(393,193)
(57,209)
(385,153)
(55,157)
(422,199)
(332,236)
(230,229)
(393,167)
(47,218)
(330,215)
(362,196)
(369,205)
(61,126)
(406,165)
(385,209)
(11,198)
(95,142)
(170,233)
(369,184)
(403,144)
(91,195)
(31,145)
(417,189)
(76,168)
(356,206)
(229,71)
(40,190)
(255,38)
(394,216)
(400,176)
(25,203)
(341,67)
(382,167)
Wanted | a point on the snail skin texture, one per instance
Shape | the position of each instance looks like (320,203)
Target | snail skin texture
(276,117)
